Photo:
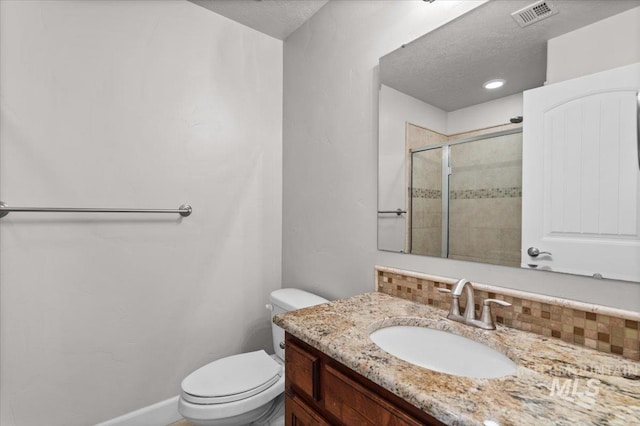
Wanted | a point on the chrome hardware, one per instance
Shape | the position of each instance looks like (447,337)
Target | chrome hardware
(534,252)
(269,307)
(470,310)
(281,345)
(469,315)
(486,302)
(486,317)
(396,211)
(184,210)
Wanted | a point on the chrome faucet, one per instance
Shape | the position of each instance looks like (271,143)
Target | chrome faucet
(469,315)
(469,310)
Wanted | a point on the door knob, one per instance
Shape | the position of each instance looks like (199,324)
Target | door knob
(534,252)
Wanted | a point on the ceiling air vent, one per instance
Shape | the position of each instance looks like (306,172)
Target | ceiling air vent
(534,12)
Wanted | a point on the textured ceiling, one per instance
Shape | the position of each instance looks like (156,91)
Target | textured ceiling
(277,18)
(446,67)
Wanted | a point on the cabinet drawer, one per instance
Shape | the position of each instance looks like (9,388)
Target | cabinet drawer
(353,404)
(302,371)
(300,414)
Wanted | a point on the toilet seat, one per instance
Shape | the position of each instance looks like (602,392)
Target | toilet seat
(247,410)
(231,379)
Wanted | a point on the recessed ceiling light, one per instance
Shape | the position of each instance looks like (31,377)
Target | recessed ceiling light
(493,84)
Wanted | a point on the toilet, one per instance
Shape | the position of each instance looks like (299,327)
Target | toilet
(247,388)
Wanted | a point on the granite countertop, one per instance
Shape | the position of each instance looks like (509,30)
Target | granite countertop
(341,330)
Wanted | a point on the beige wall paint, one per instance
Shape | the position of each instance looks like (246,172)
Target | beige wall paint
(330,159)
(143,104)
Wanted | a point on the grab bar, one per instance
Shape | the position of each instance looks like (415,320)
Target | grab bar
(397,211)
(184,210)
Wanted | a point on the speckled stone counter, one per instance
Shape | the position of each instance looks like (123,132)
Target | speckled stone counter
(556,382)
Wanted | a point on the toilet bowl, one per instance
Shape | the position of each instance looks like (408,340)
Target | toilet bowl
(246,388)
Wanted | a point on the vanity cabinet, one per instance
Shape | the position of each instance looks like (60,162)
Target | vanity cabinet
(321,391)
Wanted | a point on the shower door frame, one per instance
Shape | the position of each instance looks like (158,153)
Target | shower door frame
(446,174)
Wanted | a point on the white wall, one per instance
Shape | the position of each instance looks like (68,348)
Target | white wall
(144,104)
(330,158)
(396,109)
(614,41)
(486,114)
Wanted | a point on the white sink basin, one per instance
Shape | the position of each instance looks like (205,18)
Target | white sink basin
(443,352)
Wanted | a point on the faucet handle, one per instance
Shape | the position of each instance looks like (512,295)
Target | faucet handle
(486,318)
(454,311)
(498,301)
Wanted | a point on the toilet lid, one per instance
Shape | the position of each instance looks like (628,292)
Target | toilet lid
(232,378)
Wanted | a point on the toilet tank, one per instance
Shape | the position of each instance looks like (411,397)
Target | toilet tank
(289,299)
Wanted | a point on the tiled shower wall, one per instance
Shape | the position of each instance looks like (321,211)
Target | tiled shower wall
(597,327)
(424,181)
(485,200)
(426,203)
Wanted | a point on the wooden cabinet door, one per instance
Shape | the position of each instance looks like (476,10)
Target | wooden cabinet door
(353,404)
(302,371)
(321,392)
(300,414)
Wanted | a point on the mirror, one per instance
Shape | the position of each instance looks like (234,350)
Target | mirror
(458,163)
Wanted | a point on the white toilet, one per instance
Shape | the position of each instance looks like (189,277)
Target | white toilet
(247,388)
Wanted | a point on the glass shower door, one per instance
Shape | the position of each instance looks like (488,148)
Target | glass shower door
(485,200)
(426,202)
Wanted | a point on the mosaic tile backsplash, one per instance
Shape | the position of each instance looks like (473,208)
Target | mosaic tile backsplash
(608,333)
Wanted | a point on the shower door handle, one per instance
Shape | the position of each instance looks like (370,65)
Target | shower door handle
(397,211)
(534,252)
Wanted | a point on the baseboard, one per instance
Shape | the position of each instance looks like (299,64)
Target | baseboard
(162,413)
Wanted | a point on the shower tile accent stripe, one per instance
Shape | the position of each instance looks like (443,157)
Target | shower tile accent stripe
(512,192)
(468,194)
(597,327)
(426,193)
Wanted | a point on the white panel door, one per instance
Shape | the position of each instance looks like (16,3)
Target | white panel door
(581,175)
